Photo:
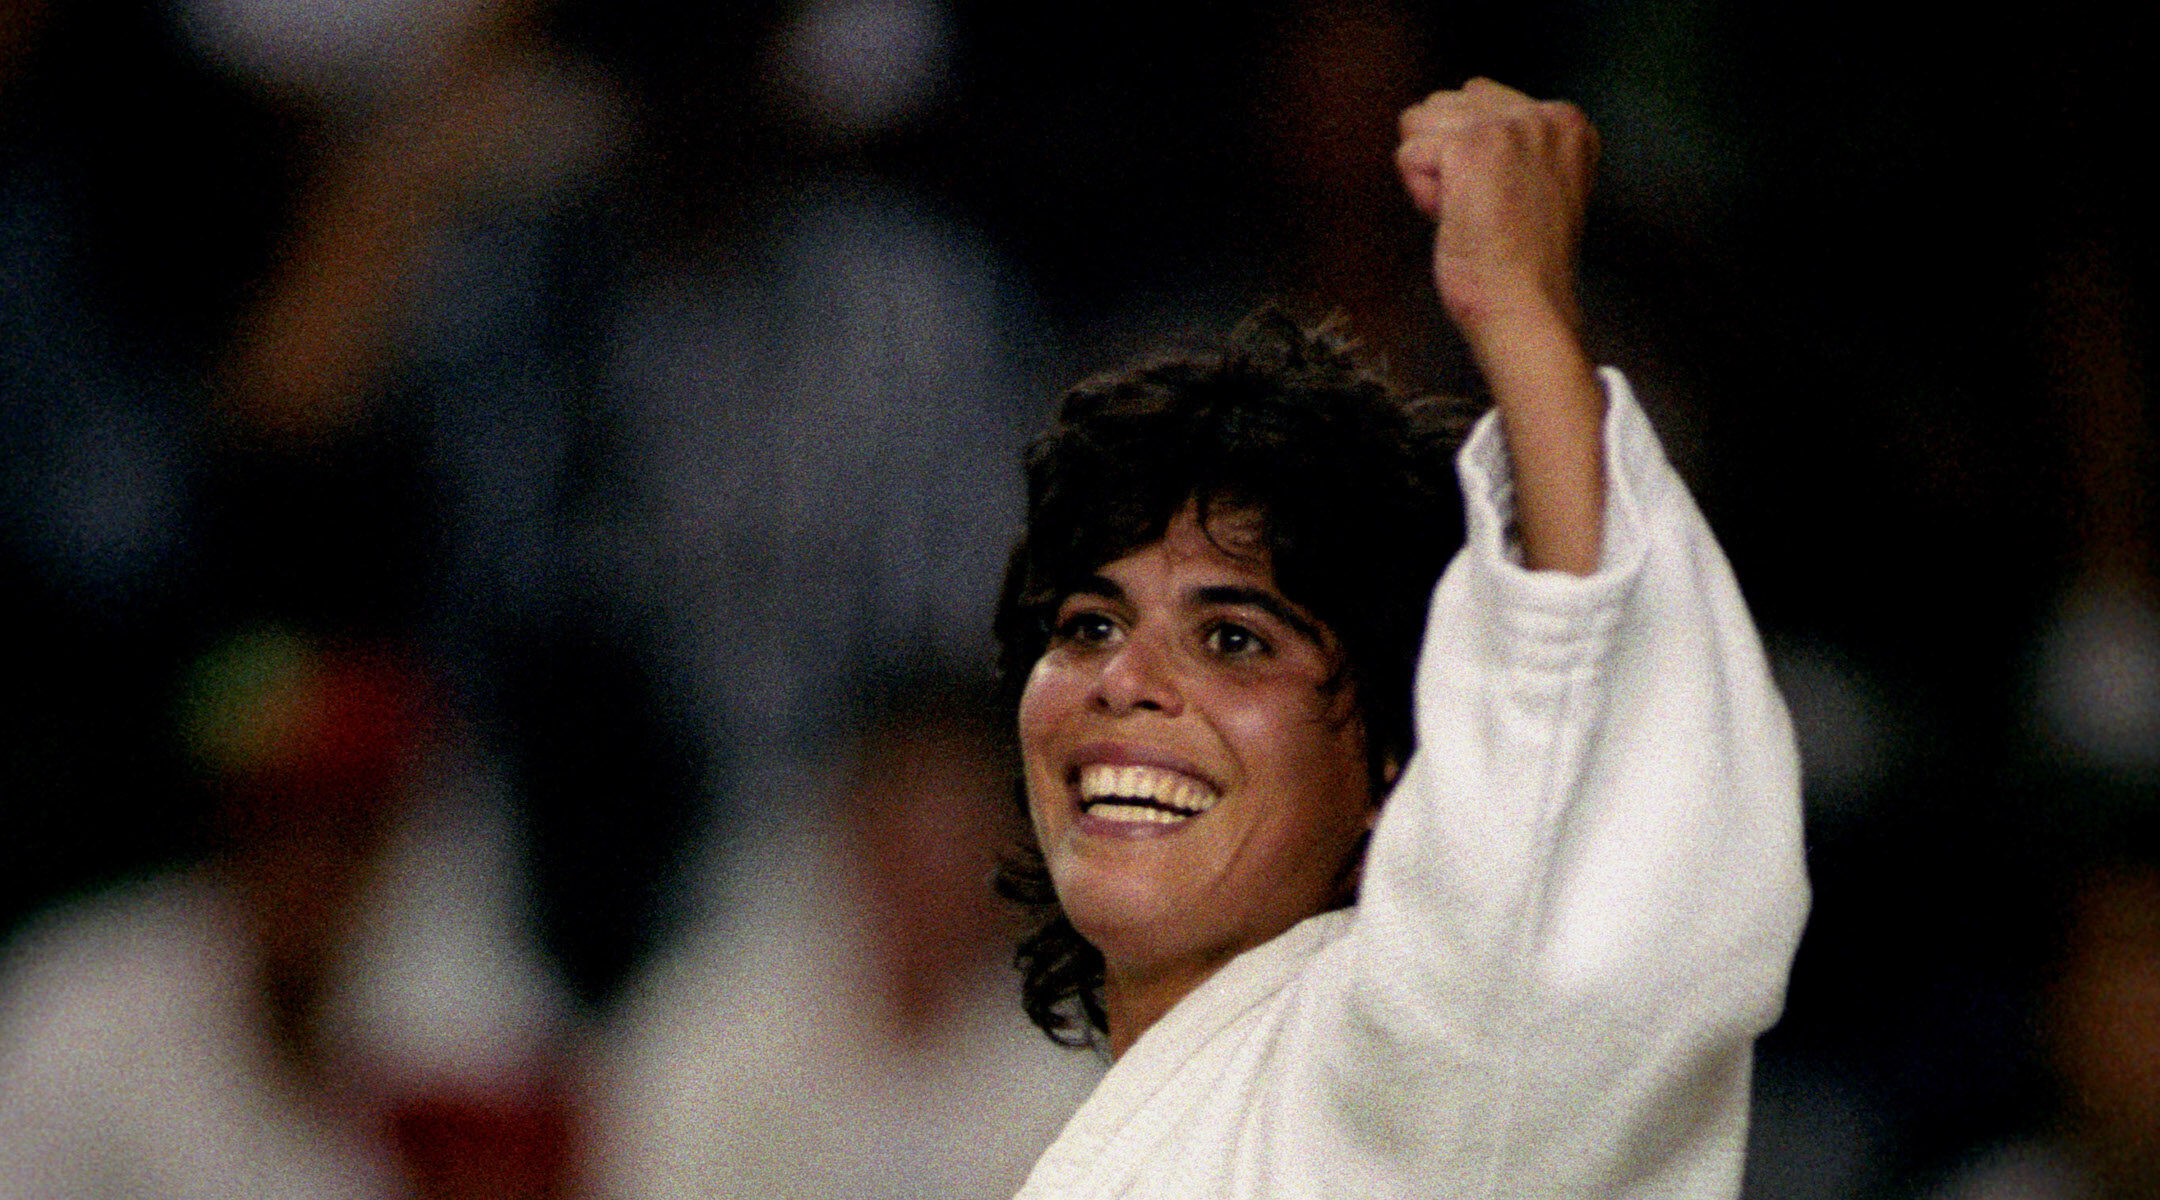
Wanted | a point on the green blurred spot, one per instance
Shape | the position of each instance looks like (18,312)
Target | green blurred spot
(251,700)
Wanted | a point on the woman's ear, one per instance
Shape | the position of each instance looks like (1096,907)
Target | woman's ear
(1390,771)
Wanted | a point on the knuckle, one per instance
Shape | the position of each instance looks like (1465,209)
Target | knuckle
(1455,154)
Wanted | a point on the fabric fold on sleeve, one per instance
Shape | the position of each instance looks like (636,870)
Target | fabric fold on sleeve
(1582,898)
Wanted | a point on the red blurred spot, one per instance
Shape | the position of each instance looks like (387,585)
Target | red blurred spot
(486,1147)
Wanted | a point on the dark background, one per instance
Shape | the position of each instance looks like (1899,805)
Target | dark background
(1883,273)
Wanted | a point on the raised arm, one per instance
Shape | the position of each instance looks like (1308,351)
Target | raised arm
(1505,178)
(1583,895)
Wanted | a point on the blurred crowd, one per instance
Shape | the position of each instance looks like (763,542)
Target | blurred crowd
(501,502)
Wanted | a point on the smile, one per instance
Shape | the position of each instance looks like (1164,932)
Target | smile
(1149,795)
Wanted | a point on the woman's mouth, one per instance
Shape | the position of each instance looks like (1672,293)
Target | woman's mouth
(1142,794)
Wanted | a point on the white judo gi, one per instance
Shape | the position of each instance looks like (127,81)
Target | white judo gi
(1578,910)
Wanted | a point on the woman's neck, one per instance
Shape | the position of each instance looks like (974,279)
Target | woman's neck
(1135,998)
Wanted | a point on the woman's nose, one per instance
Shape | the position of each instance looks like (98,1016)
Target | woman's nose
(1140,676)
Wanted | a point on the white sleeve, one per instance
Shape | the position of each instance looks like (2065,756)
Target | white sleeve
(55,1125)
(1583,897)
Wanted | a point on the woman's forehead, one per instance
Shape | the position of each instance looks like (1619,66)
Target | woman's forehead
(1231,542)
(1223,537)
(1237,529)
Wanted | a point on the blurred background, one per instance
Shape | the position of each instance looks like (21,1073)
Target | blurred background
(489,487)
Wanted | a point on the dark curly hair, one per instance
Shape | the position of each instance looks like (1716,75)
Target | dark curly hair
(1354,489)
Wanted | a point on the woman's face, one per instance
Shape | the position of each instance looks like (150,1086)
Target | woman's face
(1196,784)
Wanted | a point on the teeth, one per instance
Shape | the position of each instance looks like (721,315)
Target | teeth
(1157,788)
(1111,811)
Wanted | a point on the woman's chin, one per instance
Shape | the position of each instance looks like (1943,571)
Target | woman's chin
(1120,912)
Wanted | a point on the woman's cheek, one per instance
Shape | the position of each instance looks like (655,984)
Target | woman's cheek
(1044,703)
(1261,721)
(1043,700)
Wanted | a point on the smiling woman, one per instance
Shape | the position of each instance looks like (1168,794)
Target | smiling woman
(1182,686)
(1371,886)
(1149,624)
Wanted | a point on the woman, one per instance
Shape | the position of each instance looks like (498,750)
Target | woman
(1528,959)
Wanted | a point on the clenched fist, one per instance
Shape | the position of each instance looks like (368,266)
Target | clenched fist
(1505,178)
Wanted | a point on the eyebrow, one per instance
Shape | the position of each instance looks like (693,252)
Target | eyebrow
(1228,594)
(1267,602)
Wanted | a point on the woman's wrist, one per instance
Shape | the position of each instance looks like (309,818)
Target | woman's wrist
(1552,410)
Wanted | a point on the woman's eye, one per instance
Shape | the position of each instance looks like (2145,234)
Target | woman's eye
(1232,640)
(1086,629)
